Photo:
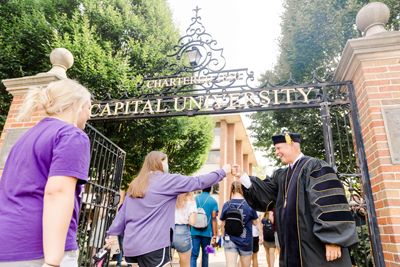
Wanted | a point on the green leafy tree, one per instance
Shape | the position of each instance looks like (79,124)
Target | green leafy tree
(394,20)
(23,35)
(115,44)
(261,171)
(313,36)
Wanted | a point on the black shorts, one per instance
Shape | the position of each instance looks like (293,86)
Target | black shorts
(158,258)
(256,247)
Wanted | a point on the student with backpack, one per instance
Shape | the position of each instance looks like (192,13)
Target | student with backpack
(269,237)
(237,219)
(148,214)
(205,230)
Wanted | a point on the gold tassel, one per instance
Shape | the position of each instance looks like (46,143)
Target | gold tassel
(288,139)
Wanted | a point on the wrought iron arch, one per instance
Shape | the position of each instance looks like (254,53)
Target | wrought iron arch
(188,89)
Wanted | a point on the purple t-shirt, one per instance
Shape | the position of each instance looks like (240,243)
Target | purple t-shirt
(51,148)
(148,222)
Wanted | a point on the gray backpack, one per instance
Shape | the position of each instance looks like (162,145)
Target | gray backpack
(201,218)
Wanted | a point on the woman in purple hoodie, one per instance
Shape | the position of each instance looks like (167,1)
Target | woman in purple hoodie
(148,214)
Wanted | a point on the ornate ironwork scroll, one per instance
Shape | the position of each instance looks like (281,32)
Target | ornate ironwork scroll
(195,38)
(188,89)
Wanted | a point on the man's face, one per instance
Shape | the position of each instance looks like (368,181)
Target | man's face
(285,152)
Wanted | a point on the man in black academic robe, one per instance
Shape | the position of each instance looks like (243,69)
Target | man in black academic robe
(313,219)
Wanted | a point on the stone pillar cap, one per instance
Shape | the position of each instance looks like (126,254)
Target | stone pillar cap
(372,18)
(61,60)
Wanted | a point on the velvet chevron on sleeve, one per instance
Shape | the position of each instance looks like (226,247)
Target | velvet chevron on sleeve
(333,219)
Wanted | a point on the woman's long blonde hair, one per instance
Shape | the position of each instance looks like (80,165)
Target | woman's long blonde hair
(236,187)
(182,198)
(58,97)
(152,163)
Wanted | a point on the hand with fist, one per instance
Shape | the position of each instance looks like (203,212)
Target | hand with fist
(236,170)
(227,168)
(333,252)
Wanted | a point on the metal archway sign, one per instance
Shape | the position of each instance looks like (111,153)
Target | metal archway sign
(204,87)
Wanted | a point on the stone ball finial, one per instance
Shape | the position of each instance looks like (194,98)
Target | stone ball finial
(62,60)
(372,18)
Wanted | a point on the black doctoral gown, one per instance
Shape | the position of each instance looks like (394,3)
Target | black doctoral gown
(316,213)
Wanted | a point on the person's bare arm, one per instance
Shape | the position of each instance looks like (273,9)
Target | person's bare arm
(58,205)
(214,223)
(255,222)
(271,216)
(223,228)
(192,218)
(260,231)
(215,228)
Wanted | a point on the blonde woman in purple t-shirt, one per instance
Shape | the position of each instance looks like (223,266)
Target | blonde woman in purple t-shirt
(148,214)
(43,177)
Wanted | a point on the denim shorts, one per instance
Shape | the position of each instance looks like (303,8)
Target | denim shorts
(231,247)
(182,238)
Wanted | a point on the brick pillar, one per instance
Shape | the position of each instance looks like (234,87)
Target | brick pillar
(231,157)
(61,60)
(245,163)
(373,64)
(223,160)
(239,153)
(251,169)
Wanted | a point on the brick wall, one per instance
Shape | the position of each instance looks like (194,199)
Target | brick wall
(19,87)
(231,157)
(246,163)
(11,122)
(377,85)
(223,159)
(239,154)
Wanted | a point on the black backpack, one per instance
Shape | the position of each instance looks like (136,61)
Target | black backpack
(234,220)
(268,231)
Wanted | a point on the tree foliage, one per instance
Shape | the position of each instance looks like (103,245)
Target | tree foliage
(313,36)
(185,140)
(115,44)
(261,171)
(23,32)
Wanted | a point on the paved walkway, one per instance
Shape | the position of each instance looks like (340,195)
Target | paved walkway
(218,260)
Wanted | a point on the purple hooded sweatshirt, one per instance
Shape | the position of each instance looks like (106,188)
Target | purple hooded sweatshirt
(148,222)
